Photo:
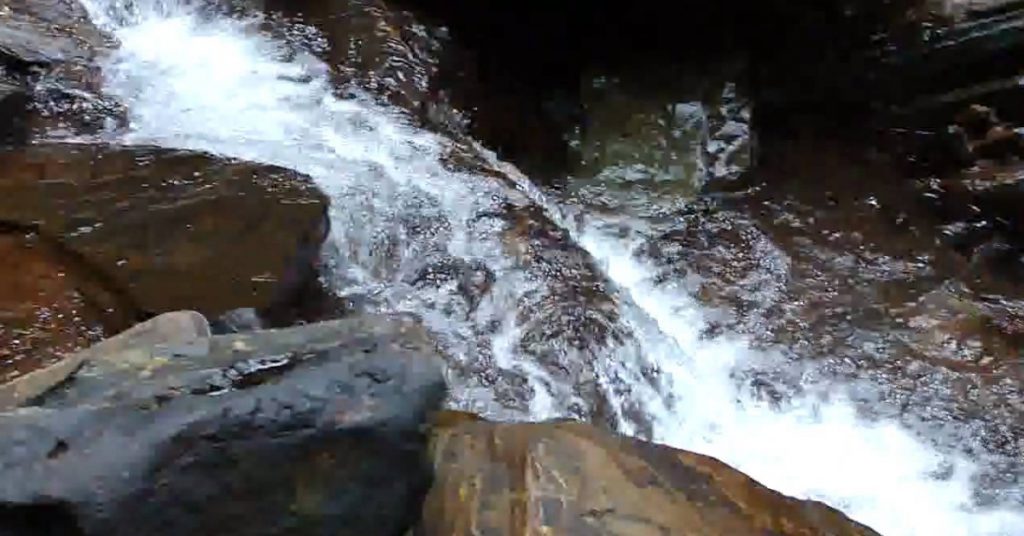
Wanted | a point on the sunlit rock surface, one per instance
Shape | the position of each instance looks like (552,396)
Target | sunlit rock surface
(574,479)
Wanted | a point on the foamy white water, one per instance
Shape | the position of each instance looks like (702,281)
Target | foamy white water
(215,84)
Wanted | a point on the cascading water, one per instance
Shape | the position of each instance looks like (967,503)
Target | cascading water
(205,81)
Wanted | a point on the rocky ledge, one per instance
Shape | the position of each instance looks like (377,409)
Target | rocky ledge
(571,478)
(49,78)
(166,430)
(138,231)
(336,428)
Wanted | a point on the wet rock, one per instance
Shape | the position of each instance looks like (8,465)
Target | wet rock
(177,333)
(14,102)
(54,45)
(568,316)
(472,278)
(724,258)
(986,334)
(174,230)
(976,120)
(984,137)
(999,143)
(728,146)
(309,430)
(237,321)
(45,32)
(962,57)
(372,45)
(569,478)
(980,211)
(670,137)
(968,8)
(50,304)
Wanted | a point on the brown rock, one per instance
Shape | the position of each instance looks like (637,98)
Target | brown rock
(44,313)
(976,120)
(175,230)
(1000,143)
(569,478)
(373,46)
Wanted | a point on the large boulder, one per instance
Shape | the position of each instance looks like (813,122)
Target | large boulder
(311,430)
(172,333)
(171,229)
(569,478)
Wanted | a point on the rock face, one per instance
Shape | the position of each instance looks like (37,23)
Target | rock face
(173,230)
(50,305)
(372,45)
(43,32)
(14,107)
(573,479)
(312,430)
(48,49)
(172,333)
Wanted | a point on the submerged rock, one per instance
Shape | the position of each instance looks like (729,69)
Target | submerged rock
(311,430)
(172,229)
(568,478)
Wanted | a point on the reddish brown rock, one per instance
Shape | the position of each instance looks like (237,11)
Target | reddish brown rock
(570,478)
(50,306)
(175,230)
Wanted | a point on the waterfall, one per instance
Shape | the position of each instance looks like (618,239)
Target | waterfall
(196,79)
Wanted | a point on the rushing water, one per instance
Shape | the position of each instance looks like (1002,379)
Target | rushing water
(210,82)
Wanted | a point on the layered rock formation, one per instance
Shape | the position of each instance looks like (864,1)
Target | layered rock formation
(569,478)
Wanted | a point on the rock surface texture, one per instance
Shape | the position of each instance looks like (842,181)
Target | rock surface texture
(50,305)
(569,478)
(49,50)
(173,230)
(312,430)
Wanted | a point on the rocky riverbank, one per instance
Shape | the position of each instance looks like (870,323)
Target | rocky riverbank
(181,350)
(336,427)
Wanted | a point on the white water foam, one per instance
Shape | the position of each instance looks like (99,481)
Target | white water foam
(814,448)
(217,85)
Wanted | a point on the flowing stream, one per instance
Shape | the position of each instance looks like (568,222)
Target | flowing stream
(199,80)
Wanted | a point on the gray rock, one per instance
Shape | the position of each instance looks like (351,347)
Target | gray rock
(53,46)
(14,101)
(237,321)
(311,430)
(176,333)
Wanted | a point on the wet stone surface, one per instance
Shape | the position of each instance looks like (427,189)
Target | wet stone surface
(54,48)
(573,479)
(172,229)
(50,306)
(308,430)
